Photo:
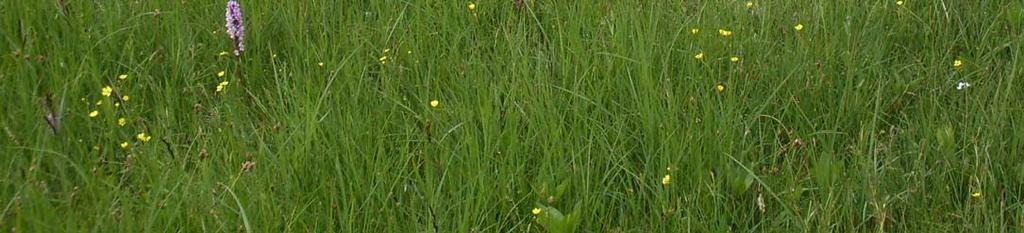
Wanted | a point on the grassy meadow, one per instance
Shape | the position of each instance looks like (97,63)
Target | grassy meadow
(512,116)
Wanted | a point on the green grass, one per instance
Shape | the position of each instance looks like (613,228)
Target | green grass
(853,124)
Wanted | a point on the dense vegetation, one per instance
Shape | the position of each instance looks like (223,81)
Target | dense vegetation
(515,115)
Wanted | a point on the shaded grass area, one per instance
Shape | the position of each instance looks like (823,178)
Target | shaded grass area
(853,123)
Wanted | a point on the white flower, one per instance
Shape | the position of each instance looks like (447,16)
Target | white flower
(962,85)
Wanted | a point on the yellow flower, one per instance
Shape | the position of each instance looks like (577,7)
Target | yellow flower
(799,27)
(387,50)
(124,145)
(143,137)
(536,211)
(720,88)
(94,113)
(725,33)
(117,104)
(221,86)
(383,60)
(899,3)
(699,56)
(122,121)
(958,63)
(434,103)
(122,77)
(106,90)
(734,59)
(666,180)
(750,4)
(98,103)
(125,98)
(472,6)
(976,194)
(221,74)
(222,53)
(320,64)
(695,31)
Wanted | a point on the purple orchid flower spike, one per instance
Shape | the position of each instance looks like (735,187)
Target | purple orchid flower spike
(236,30)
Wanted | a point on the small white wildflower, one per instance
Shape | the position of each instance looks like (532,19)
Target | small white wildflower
(962,85)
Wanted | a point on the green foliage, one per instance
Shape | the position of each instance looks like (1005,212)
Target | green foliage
(853,123)
(555,222)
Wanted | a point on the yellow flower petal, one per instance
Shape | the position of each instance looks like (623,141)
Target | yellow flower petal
(94,113)
(536,211)
(122,121)
(106,91)
(434,103)
(666,180)
(221,74)
(142,137)
(221,86)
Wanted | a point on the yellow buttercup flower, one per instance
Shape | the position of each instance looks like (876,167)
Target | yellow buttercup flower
(958,63)
(106,91)
(666,180)
(734,59)
(122,121)
(221,74)
(122,77)
(695,31)
(699,56)
(472,6)
(125,98)
(143,137)
(124,145)
(536,211)
(750,4)
(221,86)
(725,33)
(720,88)
(98,103)
(320,64)
(899,3)
(434,103)
(223,53)
(799,27)
(976,194)
(383,60)
(94,113)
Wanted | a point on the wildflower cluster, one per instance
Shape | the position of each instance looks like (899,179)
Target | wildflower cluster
(235,28)
(119,113)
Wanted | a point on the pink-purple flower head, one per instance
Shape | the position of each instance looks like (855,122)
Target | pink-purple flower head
(234,24)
